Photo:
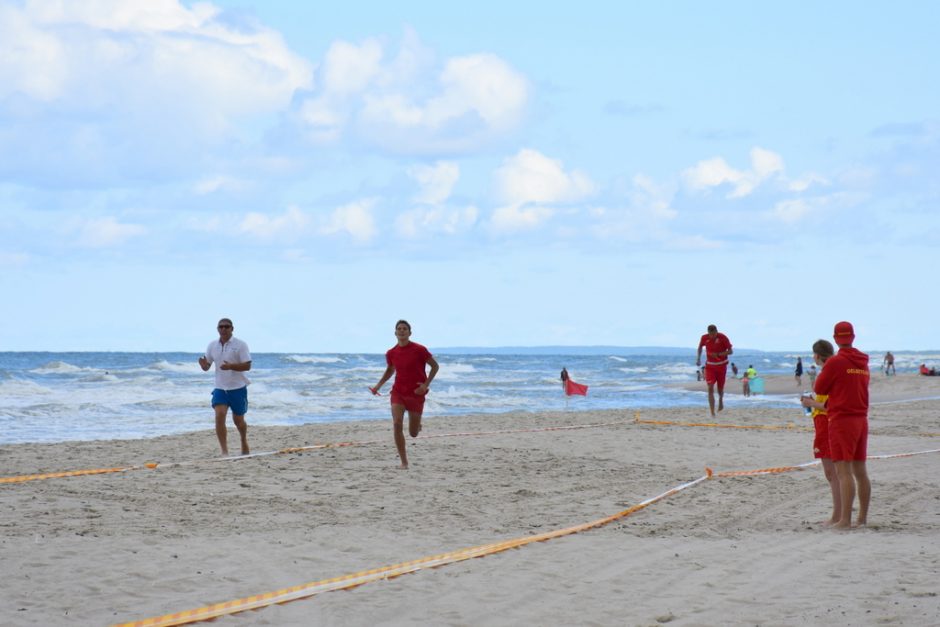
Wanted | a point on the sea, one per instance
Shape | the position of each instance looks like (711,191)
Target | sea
(58,397)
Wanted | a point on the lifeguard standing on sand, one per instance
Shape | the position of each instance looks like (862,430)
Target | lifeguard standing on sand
(717,348)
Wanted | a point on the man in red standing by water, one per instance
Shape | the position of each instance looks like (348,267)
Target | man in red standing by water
(717,348)
(406,361)
(845,379)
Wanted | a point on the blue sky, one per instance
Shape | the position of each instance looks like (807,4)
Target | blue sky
(496,173)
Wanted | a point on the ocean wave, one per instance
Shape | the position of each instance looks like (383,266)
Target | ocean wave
(314,359)
(59,367)
(179,366)
(21,388)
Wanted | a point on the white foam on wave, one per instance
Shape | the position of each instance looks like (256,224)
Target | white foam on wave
(616,358)
(453,371)
(179,366)
(21,388)
(639,370)
(59,367)
(314,359)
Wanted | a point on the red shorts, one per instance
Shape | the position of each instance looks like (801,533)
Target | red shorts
(848,438)
(716,374)
(414,403)
(821,441)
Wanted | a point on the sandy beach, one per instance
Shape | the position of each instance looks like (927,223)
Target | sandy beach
(111,548)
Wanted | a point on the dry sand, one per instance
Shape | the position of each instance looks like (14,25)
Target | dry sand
(102,549)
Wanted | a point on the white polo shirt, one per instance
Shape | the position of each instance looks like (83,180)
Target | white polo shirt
(235,352)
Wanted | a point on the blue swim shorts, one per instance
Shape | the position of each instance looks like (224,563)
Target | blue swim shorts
(237,400)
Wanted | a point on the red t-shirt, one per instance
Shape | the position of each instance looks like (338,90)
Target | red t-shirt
(408,362)
(720,344)
(845,379)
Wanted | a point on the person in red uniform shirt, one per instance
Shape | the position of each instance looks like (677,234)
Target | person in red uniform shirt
(845,380)
(406,361)
(717,348)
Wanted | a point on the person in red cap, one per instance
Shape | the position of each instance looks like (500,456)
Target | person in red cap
(845,380)
(717,348)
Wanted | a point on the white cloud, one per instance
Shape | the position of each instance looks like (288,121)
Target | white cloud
(116,55)
(217,183)
(716,171)
(436,181)
(291,223)
(106,232)
(406,105)
(531,177)
(153,82)
(527,183)
(790,211)
(348,69)
(806,181)
(354,219)
(655,199)
(437,220)
(515,218)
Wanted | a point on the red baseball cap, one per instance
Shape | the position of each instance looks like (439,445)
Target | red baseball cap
(843,333)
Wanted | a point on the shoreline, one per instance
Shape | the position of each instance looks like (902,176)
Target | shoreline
(133,545)
(902,388)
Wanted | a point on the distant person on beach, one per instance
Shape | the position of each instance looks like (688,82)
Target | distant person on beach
(845,381)
(564,377)
(407,361)
(889,364)
(822,351)
(734,370)
(798,373)
(717,348)
(232,360)
(928,372)
(812,375)
(745,385)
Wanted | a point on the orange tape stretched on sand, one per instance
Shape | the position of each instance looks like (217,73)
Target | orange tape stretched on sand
(65,473)
(294,449)
(389,572)
(719,425)
(386,572)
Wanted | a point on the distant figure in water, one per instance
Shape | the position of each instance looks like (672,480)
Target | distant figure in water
(734,370)
(798,373)
(889,364)
(564,377)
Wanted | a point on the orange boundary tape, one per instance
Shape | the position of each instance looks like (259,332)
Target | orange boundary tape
(719,425)
(294,449)
(353,580)
(65,473)
(386,572)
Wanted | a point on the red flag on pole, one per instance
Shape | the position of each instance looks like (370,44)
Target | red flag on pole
(575,388)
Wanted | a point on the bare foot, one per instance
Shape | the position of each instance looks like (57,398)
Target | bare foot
(861,523)
(403,467)
(842,526)
(721,404)
(245,451)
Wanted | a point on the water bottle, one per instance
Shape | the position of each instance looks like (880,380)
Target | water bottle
(808,410)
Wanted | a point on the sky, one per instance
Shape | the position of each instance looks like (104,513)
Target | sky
(497,173)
